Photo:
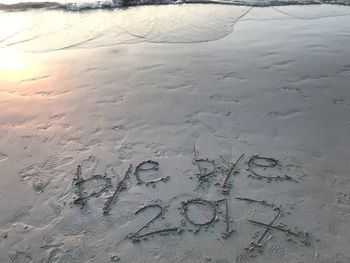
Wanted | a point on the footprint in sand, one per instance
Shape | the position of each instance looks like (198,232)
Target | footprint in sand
(344,101)
(343,199)
(112,100)
(3,157)
(292,90)
(223,98)
(21,257)
(344,70)
(52,121)
(284,114)
(231,75)
(40,174)
(72,144)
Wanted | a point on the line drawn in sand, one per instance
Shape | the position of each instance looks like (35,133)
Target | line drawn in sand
(80,182)
(198,211)
(200,201)
(120,187)
(185,206)
(258,246)
(145,167)
(137,236)
(211,205)
(257,161)
(204,172)
(232,171)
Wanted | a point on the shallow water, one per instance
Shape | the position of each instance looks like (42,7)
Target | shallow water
(36,31)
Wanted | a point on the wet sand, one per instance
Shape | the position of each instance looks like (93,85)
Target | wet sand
(272,85)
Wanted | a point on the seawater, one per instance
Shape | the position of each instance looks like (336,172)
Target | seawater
(39,27)
(78,5)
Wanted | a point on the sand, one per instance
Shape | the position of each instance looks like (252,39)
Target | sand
(266,82)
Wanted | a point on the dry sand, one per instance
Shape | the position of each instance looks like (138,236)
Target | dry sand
(272,82)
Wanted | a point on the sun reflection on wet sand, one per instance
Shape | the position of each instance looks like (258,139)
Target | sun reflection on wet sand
(32,89)
(16,66)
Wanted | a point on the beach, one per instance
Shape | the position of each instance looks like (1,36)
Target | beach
(175,133)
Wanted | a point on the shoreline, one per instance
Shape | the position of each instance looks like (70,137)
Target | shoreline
(90,6)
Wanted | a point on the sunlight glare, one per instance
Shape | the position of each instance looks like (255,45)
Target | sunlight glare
(15,66)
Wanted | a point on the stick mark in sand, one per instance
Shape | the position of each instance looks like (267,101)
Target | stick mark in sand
(228,231)
(258,161)
(233,170)
(210,204)
(302,235)
(258,245)
(111,200)
(204,173)
(79,182)
(137,236)
(146,166)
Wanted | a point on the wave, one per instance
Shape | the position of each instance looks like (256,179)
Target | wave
(80,6)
